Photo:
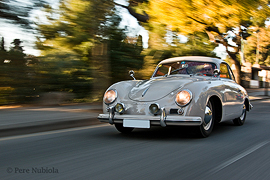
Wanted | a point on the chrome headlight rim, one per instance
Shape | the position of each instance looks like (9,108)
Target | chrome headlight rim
(190,95)
(115,97)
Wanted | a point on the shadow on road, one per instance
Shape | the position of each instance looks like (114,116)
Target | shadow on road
(170,133)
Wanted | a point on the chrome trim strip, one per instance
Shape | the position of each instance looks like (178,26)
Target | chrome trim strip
(144,92)
(155,120)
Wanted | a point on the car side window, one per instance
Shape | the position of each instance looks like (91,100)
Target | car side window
(162,70)
(224,72)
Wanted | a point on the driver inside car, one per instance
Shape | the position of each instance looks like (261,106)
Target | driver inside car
(208,70)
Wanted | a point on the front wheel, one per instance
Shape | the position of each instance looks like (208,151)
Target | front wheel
(123,129)
(205,129)
(241,120)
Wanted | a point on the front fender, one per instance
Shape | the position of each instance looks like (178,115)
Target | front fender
(201,92)
(122,88)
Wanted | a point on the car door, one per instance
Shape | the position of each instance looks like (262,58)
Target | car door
(232,96)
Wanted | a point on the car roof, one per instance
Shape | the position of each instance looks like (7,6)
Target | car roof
(192,58)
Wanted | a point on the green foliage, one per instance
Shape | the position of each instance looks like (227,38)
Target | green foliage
(85,48)
(66,43)
(83,51)
(257,46)
(24,78)
(226,22)
(196,45)
(14,74)
(74,27)
(123,55)
(62,73)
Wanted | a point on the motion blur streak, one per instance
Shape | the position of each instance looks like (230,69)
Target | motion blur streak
(238,157)
(53,132)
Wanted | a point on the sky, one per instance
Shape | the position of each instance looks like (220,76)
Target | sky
(131,23)
(11,31)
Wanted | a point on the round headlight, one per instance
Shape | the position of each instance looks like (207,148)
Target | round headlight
(120,108)
(110,96)
(183,97)
(154,108)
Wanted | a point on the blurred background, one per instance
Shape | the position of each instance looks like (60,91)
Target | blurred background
(58,51)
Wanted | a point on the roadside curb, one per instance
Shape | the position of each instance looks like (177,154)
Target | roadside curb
(14,106)
(259,98)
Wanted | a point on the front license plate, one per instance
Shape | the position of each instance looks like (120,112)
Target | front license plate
(136,123)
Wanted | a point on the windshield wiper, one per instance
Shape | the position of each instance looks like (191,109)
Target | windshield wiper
(177,69)
(184,67)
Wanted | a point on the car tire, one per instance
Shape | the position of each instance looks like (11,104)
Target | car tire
(241,120)
(123,129)
(205,129)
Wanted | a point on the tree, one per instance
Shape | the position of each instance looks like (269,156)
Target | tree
(16,54)
(141,16)
(87,32)
(226,22)
(124,52)
(197,45)
(15,76)
(2,45)
(257,47)
(75,27)
(3,52)
(61,72)
(69,35)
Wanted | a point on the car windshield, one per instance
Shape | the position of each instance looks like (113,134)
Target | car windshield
(185,67)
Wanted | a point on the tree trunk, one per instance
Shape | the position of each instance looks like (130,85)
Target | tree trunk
(237,73)
(101,70)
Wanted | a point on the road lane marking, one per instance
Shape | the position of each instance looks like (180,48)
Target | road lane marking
(52,132)
(238,157)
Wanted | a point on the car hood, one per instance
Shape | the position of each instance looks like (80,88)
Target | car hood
(157,88)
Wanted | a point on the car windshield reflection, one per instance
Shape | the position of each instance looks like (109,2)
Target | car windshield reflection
(185,67)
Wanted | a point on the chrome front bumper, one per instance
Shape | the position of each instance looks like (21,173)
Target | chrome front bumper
(161,120)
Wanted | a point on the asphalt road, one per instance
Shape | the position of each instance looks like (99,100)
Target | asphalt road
(100,152)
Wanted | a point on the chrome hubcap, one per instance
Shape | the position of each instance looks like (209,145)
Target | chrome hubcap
(207,118)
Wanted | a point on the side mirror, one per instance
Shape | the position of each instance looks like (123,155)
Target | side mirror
(216,72)
(131,74)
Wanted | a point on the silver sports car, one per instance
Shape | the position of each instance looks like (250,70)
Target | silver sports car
(183,91)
